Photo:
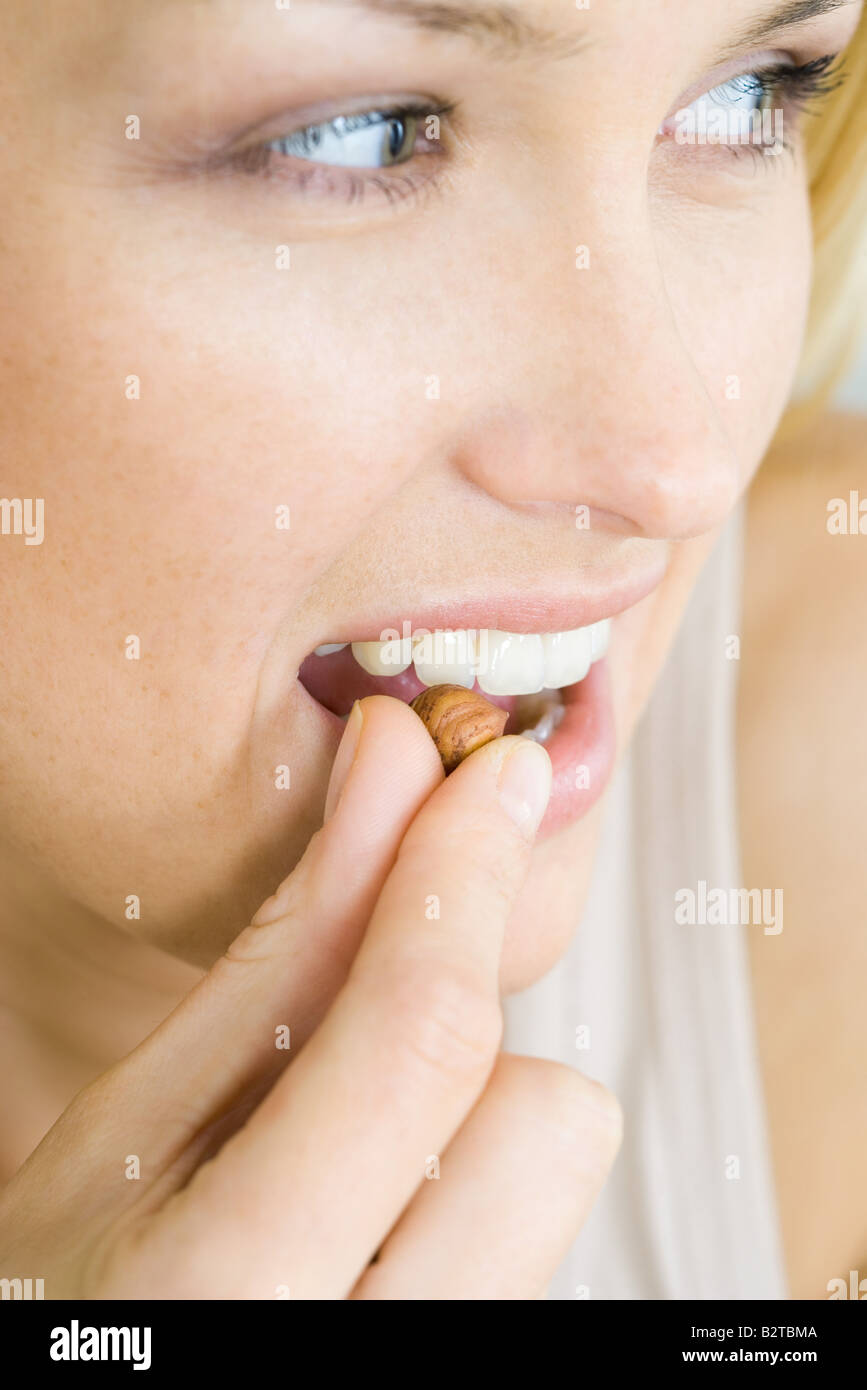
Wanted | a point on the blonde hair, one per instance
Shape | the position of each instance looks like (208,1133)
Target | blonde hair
(836,147)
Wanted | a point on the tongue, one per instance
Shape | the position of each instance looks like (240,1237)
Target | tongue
(337,681)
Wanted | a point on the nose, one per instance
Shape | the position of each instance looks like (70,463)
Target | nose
(607,409)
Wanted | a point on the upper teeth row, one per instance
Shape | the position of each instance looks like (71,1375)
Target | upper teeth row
(504,663)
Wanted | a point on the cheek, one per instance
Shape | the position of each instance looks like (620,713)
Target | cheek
(174,425)
(738,281)
(162,499)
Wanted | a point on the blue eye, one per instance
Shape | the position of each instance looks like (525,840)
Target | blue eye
(392,152)
(751,106)
(369,140)
(731,102)
(744,93)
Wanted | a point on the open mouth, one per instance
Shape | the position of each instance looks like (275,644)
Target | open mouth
(554,687)
(523,673)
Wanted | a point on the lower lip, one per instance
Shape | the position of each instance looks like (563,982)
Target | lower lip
(582,748)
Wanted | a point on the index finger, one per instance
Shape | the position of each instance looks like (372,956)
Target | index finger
(308,1189)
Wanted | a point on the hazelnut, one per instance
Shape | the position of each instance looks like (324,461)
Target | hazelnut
(458,720)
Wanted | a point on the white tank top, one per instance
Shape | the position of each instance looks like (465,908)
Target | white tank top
(689,1210)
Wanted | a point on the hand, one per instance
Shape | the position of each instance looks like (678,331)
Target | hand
(380,953)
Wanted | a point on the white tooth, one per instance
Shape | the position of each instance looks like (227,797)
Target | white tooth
(600,633)
(328,647)
(510,663)
(383,658)
(567,656)
(446,658)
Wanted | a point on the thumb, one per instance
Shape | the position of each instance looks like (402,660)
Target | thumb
(210,1061)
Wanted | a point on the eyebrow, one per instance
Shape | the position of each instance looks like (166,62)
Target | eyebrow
(504,28)
(501,27)
(796,12)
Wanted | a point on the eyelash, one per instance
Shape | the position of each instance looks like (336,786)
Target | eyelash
(805,83)
(352,184)
(796,87)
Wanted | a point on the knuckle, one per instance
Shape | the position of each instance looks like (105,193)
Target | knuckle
(265,937)
(261,942)
(91,1105)
(447,1025)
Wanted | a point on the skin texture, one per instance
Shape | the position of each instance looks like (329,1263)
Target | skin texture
(646,387)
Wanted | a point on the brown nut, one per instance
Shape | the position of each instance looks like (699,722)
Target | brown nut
(458,720)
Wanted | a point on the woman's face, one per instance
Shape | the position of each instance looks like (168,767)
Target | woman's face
(514,379)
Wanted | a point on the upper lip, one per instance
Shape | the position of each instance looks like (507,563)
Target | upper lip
(601,595)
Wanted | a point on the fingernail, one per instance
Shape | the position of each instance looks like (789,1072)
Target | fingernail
(524,785)
(344,759)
